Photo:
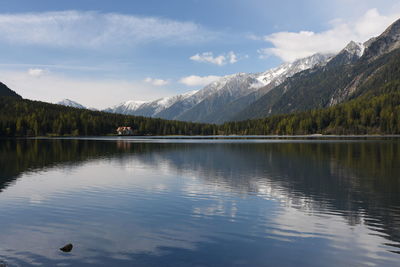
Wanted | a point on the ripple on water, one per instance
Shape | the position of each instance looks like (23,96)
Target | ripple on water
(226,204)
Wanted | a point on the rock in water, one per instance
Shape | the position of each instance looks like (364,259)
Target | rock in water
(67,248)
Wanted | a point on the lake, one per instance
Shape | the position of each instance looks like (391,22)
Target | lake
(202,202)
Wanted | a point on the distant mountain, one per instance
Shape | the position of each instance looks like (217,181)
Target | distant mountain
(343,78)
(5,91)
(148,108)
(271,78)
(231,93)
(318,81)
(219,93)
(70,103)
(128,107)
(374,108)
(24,117)
(218,101)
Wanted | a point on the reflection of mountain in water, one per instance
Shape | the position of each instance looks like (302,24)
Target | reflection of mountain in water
(358,180)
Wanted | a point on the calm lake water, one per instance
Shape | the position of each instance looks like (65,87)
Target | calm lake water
(125,202)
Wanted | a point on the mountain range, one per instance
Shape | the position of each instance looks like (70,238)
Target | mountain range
(70,103)
(344,77)
(318,81)
(356,91)
(214,103)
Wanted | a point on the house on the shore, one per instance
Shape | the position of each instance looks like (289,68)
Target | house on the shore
(125,130)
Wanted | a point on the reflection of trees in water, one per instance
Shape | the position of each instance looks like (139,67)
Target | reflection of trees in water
(25,155)
(19,156)
(350,178)
(358,180)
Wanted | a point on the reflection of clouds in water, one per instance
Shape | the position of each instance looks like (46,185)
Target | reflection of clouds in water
(248,177)
(358,240)
(140,203)
(92,241)
(220,208)
(91,176)
(117,229)
(36,199)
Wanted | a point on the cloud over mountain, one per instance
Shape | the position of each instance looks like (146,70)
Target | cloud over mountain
(194,80)
(290,46)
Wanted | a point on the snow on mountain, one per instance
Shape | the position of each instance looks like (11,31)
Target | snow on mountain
(148,108)
(241,84)
(222,98)
(166,102)
(355,48)
(126,108)
(202,104)
(235,84)
(70,103)
(279,74)
(350,54)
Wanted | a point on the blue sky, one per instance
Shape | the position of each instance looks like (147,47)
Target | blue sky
(100,53)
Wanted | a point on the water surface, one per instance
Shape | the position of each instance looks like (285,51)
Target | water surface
(236,202)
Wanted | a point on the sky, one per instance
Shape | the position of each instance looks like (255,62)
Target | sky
(101,53)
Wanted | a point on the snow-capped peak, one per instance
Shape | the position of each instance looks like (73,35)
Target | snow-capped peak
(148,108)
(277,75)
(355,48)
(224,90)
(132,104)
(70,103)
(166,102)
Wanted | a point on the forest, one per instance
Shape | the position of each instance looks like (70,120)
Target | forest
(21,117)
(375,111)
(369,114)
(365,115)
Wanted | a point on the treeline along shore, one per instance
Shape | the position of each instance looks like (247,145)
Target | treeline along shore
(371,114)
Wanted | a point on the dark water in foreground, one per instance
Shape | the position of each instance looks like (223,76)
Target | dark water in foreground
(203,203)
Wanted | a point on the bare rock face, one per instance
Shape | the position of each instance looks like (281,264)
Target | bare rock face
(217,101)
(67,248)
(350,54)
(388,41)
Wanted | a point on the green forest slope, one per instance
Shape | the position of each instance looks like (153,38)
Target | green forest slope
(21,117)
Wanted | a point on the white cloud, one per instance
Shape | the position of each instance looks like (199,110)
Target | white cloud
(36,72)
(99,93)
(290,46)
(194,80)
(208,57)
(56,66)
(93,29)
(156,82)
(232,58)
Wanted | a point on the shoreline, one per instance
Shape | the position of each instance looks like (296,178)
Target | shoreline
(206,137)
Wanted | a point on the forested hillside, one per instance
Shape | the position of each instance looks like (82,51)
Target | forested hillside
(334,83)
(372,114)
(373,109)
(348,95)
(32,118)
